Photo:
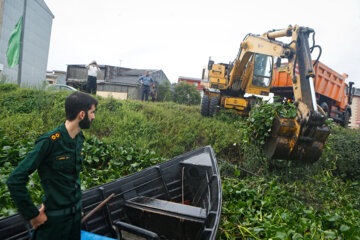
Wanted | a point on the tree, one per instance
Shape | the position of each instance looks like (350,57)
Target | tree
(186,93)
(164,92)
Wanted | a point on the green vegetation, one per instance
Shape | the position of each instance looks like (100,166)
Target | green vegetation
(284,201)
(186,93)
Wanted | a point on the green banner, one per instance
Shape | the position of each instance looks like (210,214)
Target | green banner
(13,51)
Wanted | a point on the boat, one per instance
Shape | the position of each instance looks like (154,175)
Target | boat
(177,199)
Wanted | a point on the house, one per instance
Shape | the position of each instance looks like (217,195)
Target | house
(56,77)
(118,82)
(34,50)
(355,109)
(195,81)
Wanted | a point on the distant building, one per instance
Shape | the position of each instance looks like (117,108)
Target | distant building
(195,81)
(37,22)
(355,109)
(56,77)
(118,82)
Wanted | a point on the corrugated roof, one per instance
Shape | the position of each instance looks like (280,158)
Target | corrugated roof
(130,76)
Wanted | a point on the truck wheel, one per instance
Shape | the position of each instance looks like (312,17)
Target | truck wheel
(205,106)
(346,119)
(325,107)
(212,107)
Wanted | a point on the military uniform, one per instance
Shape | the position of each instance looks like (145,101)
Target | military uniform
(58,159)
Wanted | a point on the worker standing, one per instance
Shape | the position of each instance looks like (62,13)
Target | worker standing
(146,82)
(57,157)
(93,70)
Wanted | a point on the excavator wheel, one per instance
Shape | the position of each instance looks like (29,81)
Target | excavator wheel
(205,106)
(212,106)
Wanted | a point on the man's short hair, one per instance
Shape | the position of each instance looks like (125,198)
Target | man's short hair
(77,102)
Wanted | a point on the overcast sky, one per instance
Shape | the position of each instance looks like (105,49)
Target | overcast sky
(180,36)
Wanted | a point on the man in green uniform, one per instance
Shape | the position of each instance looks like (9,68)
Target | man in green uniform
(58,157)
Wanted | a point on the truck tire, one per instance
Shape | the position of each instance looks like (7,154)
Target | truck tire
(346,119)
(212,106)
(205,106)
(325,107)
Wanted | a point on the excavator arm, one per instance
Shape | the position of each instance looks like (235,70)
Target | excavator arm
(302,138)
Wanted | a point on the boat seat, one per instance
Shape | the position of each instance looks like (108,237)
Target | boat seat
(163,207)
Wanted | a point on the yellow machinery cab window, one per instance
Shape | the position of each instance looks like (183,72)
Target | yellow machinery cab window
(263,66)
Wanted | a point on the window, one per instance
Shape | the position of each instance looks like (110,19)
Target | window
(262,70)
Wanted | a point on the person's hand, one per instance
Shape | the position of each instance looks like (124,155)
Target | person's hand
(39,219)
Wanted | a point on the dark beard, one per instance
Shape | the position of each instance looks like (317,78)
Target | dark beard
(85,123)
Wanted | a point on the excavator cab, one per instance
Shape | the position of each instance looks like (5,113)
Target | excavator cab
(262,70)
(261,75)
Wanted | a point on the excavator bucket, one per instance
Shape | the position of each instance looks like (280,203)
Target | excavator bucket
(290,141)
(283,137)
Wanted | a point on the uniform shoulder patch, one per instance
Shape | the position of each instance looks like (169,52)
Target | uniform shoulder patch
(55,136)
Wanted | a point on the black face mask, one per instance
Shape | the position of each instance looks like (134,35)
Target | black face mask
(85,123)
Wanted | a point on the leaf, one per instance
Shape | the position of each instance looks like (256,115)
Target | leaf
(330,234)
(281,235)
(333,218)
(284,216)
(6,148)
(344,228)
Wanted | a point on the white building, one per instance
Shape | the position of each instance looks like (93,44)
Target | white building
(355,110)
(37,23)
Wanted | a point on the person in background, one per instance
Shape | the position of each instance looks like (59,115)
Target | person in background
(93,70)
(146,82)
(57,157)
(153,93)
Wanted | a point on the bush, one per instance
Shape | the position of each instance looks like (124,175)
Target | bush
(342,153)
(186,93)
(8,87)
(165,94)
(128,136)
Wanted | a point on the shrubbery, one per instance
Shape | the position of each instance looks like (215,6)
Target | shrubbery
(186,93)
(296,202)
(342,153)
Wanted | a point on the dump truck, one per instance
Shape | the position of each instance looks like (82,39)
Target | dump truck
(333,94)
(301,138)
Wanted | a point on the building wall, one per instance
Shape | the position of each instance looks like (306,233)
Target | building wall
(36,42)
(355,108)
(109,80)
(119,91)
(196,82)
(116,95)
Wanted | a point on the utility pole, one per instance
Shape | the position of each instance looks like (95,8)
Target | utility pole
(22,44)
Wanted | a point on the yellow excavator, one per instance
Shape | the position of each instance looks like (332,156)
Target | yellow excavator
(301,138)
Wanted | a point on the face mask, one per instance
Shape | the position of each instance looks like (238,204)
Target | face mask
(85,123)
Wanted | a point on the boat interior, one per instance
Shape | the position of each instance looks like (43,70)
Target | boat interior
(177,199)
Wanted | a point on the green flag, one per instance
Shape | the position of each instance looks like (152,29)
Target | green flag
(13,51)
